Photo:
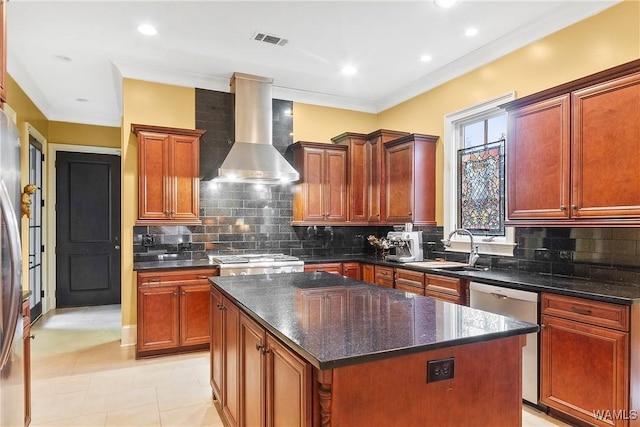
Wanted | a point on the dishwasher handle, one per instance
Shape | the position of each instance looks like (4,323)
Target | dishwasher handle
(499,296)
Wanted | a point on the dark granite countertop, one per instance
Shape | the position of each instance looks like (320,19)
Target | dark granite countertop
(619,293)
(379,322)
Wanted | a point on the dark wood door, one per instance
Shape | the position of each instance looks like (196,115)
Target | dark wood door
(538,160)
(87,229)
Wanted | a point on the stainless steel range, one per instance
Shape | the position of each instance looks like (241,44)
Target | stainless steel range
(241,265)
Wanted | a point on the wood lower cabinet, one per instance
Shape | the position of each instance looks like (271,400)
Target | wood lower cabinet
(321,194)
(259,381)
(409,281)
(584,359)
(168,175)
(572,151)
(26,349)
(329,267)
(383,276)
(446,288)
(367,273)
(351,270)
(410,179)
(173,311)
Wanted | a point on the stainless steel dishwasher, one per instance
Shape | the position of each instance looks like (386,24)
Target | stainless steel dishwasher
(521,305)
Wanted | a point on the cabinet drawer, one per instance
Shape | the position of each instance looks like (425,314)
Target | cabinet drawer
(386,272)
(174,277)
(448,297)
(409,288)
(592,312)
(411,278)
(447,285)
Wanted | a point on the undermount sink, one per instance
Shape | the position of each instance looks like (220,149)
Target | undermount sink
(447,265)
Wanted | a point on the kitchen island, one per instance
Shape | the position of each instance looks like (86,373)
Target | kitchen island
(318,349)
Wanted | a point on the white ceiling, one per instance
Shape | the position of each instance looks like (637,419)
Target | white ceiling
(201,43)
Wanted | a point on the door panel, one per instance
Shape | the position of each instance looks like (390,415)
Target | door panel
(88,229)
(36,247)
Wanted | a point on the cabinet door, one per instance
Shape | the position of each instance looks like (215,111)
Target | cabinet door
(351,270)
(384,276)
(252,373)
(288,387)
(367,273)
(194,314)
(153,168)
(358,179)
(377,193)
(231,388)
(184,177)
(335,189)
(606,150)
(217,345)
(583,368)
(313,184)
(538,160)
(399,183)
(158,318)
(414,279)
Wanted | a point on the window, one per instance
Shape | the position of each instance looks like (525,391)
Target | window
(475,177)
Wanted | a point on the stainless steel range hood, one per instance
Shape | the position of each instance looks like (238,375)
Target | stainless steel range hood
(253,158)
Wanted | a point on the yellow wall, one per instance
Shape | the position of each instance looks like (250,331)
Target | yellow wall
(80,134)
(150,104)
(605,40)
(320,124)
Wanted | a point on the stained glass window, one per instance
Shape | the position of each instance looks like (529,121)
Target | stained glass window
(481,188)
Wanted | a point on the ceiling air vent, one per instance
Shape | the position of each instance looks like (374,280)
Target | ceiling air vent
(269,38)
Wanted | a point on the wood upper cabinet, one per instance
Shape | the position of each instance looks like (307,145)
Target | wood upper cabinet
(410,179)
(168,175)
(585,347)
(358,175)
(606,150)
(320,196)
(173,311)
(573,152)
(3,52)
(538,160)
(376,172)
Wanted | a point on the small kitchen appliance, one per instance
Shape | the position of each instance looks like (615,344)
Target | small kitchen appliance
(405,246)
(245,264)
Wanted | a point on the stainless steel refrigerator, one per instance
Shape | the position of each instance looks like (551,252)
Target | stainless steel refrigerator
(12,398)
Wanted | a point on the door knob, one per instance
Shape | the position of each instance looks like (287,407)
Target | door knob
(117,247)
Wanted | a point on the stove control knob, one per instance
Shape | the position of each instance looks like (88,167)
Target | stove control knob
(243,273)
(232,274)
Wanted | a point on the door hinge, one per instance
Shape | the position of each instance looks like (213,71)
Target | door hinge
(42,293)
(43,157)
(42,203)
(42,248)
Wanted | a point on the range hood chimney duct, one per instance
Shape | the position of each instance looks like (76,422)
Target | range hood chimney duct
(253,158)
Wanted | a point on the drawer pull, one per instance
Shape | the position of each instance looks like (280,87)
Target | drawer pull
(258,347)
(499,296)
(579,310)
(202,277)
(155,280)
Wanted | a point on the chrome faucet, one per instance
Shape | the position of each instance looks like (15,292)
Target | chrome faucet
(473,250)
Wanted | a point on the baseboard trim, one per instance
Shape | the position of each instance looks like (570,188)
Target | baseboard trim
(129,334)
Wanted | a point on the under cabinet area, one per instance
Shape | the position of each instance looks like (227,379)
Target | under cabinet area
(168,175)
(571,149)
(585,360)
(173,311)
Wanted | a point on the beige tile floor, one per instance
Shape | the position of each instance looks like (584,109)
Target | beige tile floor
(81,376)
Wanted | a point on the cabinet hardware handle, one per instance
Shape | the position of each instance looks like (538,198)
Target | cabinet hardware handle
(202,277)
(175,294)
(410,213)
(33,337)
(542,326)
(183,293)
(574,207)
(258,347)
(264,351)
(563,207)
(581,310)
(219,306)
(154,280)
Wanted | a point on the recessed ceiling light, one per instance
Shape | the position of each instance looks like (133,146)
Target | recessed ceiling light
(425,58)
(349,70)
(62,58)
(148,30)
(471,32)
(445,3)
(82,100)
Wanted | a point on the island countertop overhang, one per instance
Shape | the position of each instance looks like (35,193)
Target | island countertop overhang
(332,321)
